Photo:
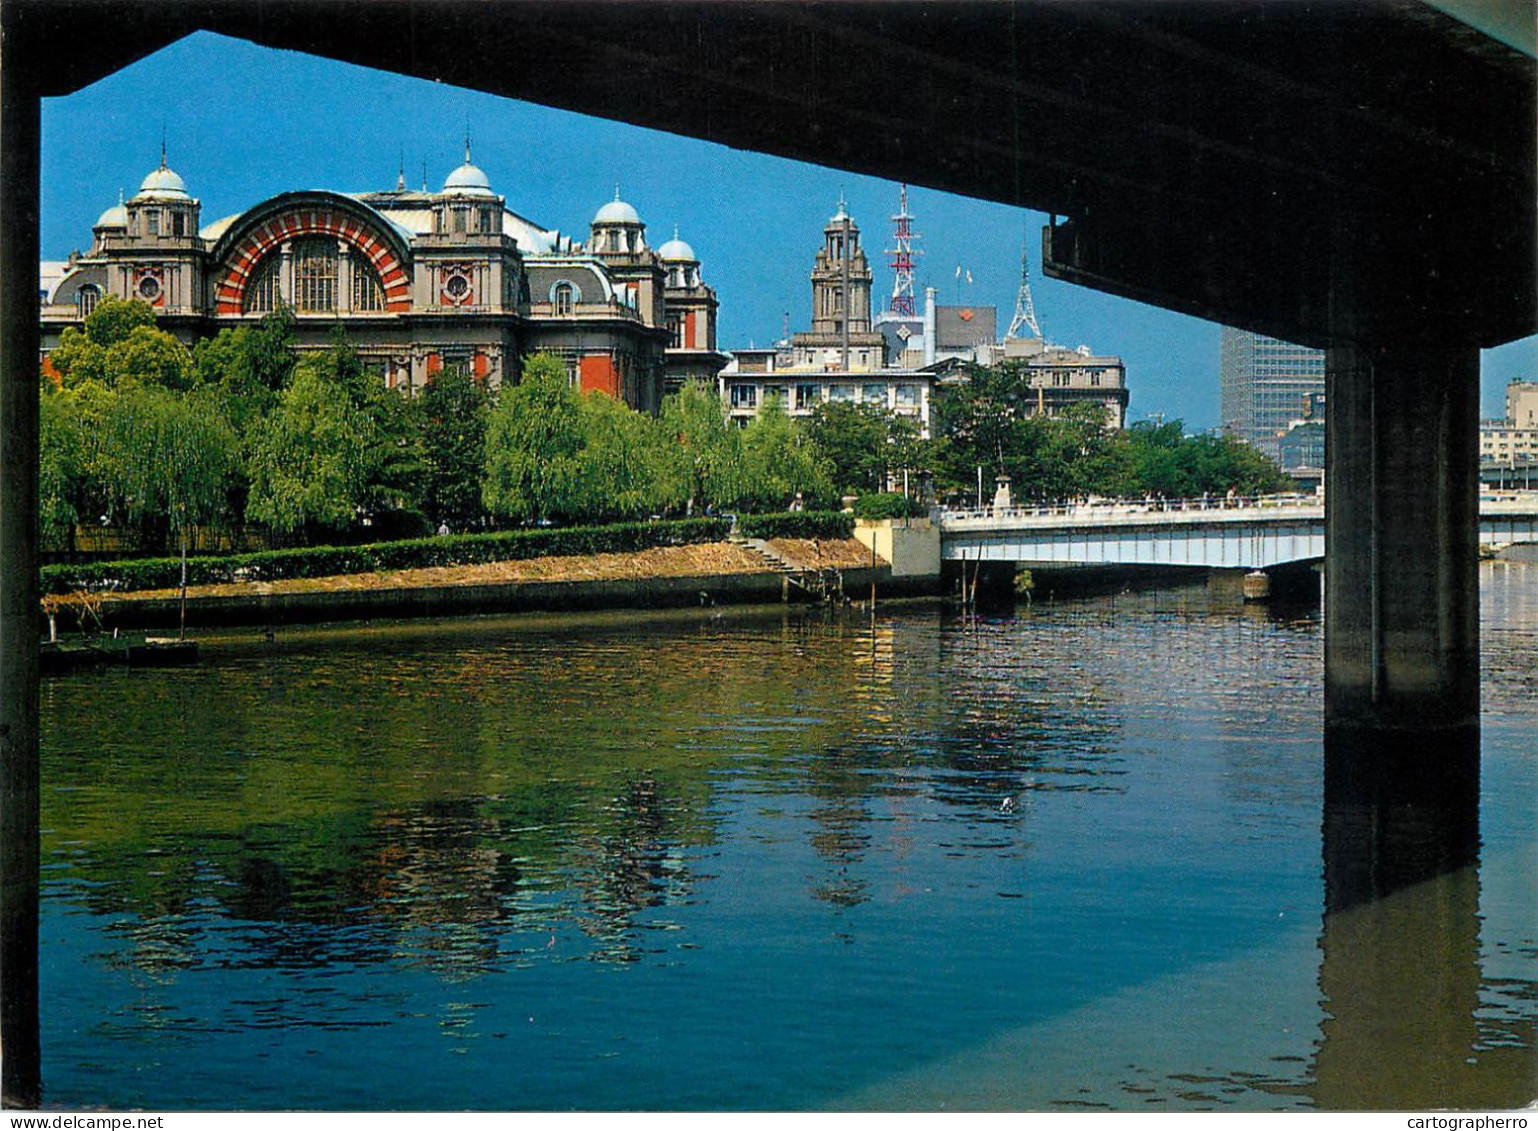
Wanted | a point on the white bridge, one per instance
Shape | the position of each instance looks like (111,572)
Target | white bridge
(1216,533)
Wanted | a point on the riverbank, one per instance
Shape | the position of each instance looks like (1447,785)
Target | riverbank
(714,573)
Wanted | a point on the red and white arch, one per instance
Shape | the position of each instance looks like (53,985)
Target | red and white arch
(263,238)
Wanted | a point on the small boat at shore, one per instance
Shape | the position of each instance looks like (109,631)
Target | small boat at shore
(133,649)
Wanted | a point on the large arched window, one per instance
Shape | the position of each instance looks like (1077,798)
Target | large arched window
(315,274)
(263,295)
(367,288)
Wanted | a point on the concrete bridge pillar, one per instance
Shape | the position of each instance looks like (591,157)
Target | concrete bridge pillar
(1401,570)
(20,119)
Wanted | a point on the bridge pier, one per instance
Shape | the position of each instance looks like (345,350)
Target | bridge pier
(1401,573)
(20,123)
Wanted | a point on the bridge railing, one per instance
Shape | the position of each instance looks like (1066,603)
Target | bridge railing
(1508,502)
(1120,508)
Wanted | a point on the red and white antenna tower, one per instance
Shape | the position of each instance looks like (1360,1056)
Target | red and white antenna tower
(902,261)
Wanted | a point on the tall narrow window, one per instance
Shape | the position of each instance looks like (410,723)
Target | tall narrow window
(262,293)
(315,271)
(152,223)
(87,297)
(367,289)
(562,298)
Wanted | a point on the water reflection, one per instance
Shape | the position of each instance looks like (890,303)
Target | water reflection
(1407,995)
(1064,858)
(637,864)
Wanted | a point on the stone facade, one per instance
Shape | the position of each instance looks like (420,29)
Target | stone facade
(418,281)
(841,337)
(842,358)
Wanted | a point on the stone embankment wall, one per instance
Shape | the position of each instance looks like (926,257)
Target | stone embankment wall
(268,608)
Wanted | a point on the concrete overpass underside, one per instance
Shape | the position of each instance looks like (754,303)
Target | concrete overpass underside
(1358,176)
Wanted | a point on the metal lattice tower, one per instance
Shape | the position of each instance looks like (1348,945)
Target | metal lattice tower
(1025,308)
(902,260)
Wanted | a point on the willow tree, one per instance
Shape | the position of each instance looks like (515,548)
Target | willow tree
(533,447)
(166,460)
(454,409)
(703,464)
(623,460)
(310,459)
(780,461)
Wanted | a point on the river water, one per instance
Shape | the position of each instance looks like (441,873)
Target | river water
(1068,858)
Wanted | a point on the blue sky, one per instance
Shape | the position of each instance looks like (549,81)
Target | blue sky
(242,123)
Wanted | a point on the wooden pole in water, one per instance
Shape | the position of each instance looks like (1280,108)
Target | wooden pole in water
(873,571)
(181,632)
(21,1083)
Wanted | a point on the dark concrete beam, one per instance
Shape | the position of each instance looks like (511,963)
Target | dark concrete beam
(1200,148)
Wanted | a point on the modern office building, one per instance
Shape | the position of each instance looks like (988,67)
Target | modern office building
(1265,385)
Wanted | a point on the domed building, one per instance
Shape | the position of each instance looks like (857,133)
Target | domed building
(841,359)
(419,280)
(691,317)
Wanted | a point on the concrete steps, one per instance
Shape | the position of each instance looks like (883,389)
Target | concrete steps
(821,584)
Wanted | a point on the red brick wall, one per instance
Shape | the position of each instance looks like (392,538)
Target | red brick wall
(597,372)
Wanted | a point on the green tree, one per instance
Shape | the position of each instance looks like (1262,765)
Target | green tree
(1156,455)
(270,349)
(77,359)
(533,446)
(311,459)
(166,459)
(1224,463)
(990,421)
(89,407)
(249,365)
(1073,455)
(780,460)
(114,319)
(454,409)
(1167,462)
(394,467)
(703,465)
(86,354)
(60,469)
(865,444)
(980,422)
(623,464)
(148,356)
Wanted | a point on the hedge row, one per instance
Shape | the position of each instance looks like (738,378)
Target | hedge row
(797,524)
(888,504)
(417,553)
